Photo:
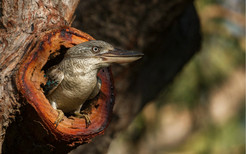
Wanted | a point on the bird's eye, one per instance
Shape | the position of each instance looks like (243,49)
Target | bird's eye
(95,49)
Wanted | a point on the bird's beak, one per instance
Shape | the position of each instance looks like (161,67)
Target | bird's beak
(121,56)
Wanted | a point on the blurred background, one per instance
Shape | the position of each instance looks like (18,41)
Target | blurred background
(203,109)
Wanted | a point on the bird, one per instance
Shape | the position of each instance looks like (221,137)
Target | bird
(74,80)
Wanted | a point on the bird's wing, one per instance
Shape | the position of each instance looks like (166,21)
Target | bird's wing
(55,77)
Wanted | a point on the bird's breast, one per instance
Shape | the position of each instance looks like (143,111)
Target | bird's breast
(74,90)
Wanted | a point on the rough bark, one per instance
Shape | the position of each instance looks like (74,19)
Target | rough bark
(166,31)
(21,22)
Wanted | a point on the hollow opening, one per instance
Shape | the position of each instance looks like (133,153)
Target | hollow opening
(54,59)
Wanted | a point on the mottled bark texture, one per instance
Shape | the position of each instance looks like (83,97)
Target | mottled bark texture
(21,21)
(166,31)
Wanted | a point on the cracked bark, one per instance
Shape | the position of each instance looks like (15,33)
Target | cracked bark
(21,22)
(166,31)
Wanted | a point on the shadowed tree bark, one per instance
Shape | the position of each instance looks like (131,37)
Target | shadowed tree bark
(166,31)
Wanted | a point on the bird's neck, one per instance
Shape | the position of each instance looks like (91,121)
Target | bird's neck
(79,67)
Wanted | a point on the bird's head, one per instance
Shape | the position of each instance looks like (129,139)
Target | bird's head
(101,54)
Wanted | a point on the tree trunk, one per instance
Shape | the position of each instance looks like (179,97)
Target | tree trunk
(166,31)
(22,21)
